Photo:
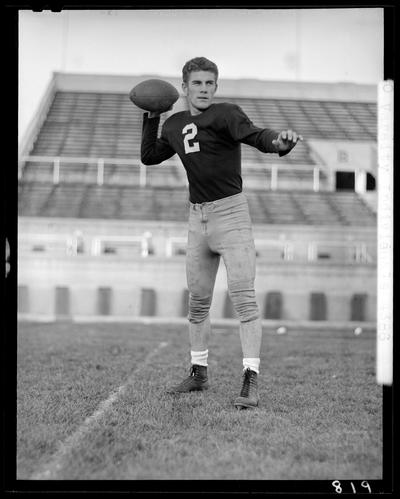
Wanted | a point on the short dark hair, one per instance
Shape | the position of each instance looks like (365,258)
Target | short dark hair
(199,64)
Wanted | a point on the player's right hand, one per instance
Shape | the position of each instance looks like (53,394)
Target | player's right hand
(156,114)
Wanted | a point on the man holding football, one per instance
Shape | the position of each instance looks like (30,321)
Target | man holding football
(207,138)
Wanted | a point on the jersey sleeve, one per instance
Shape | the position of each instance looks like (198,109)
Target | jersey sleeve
(154,150)
(242,129)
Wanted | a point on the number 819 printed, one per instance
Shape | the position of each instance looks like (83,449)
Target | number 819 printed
(339,490)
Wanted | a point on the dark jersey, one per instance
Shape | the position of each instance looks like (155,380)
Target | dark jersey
(208,145)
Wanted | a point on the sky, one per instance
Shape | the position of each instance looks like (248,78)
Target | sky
(315,45)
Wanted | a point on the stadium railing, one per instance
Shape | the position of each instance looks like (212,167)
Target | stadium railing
(57,162)
(351,251)
(61,244)
(143,243)
(101,165)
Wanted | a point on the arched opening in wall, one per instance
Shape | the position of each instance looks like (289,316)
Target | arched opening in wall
(358,307)
(273,305)
(148,304)
(371,182)
(62,302)
(345,181)
(318,306)
(104,299)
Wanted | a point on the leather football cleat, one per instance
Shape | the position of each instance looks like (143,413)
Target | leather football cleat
(196,381)
(248,397)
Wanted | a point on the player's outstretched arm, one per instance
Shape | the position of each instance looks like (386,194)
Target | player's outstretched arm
(286,140)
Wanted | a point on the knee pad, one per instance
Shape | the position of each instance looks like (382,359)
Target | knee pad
(199,307)
(243,297)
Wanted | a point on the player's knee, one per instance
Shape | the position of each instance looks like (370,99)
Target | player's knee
(199,307)
(248,312)
(244,302)
(250,315)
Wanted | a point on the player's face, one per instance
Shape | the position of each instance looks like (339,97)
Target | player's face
(199,90)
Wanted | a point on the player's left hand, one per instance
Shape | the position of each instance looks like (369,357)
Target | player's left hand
(286,140)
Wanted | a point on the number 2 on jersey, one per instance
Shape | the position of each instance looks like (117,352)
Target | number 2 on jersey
(190,132)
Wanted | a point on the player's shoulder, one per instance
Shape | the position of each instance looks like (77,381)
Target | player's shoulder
(225,106)
(174,119)
(227,109)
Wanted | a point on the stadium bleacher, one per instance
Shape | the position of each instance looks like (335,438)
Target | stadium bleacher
(107,126)
(95,125)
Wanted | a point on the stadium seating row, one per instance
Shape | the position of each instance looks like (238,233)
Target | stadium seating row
(152,203)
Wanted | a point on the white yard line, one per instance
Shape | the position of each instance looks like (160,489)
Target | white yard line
(50,470)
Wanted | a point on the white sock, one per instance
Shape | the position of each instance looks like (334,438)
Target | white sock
(252,363)
(199,358)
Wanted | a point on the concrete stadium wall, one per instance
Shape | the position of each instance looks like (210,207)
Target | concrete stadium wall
(128,285)
(122,286)
(299,235)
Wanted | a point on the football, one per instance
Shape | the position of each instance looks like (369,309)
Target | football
(154,95)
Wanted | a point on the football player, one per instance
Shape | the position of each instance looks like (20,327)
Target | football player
(207,138)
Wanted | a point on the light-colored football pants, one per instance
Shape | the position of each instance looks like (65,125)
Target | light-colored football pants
(222,228)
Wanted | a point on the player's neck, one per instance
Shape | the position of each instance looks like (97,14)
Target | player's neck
(194,111)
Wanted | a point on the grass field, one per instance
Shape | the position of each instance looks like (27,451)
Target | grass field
(91,405)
